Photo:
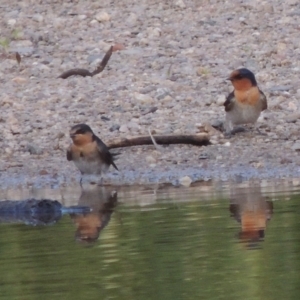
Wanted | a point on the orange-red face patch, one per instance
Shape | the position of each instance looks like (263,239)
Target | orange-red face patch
(250,96)
(82,139)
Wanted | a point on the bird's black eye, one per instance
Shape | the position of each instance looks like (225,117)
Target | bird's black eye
(239,76)
(80,131)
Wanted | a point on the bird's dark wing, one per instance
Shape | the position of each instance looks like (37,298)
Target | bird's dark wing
(69,154)
(104,153)
(115,155)
(229,102)
(263,99)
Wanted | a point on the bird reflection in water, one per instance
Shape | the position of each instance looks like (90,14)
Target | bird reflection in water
(252,210)
(102,200)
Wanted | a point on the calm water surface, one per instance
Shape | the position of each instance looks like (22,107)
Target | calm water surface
(206,242)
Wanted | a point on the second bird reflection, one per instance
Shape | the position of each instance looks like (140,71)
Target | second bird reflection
(102,201)
(252,210)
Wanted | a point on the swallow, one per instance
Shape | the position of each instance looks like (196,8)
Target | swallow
(90,155)
(245,103)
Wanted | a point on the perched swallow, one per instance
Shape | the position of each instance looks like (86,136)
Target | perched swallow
(245,103)
(90,155)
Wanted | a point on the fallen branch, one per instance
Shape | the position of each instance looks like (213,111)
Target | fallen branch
(104,61)
(81,72)
(85,72)
(197,140)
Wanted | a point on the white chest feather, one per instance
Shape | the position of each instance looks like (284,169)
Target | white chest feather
(91,166)
(243,114)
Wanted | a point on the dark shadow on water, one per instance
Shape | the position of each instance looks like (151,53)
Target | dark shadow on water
(36,212)
(90,216)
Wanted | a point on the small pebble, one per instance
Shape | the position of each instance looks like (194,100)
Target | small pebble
(38,18)
(102,16)
(123,128)
(221,100)
(180,3)
(33,149)
(185,181)
(114,127)
(296,146)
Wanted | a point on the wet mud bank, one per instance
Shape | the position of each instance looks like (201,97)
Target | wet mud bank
(174,165)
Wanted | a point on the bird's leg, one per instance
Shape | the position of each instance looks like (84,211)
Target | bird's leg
(230,130)
(261,133)
(228,126)
(229,134)
(219,125)
(256,128)
(238,130)
(100,182)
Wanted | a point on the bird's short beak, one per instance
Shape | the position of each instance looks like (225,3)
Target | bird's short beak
(72,136)
(226,80)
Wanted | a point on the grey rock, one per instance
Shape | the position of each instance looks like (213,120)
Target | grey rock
(105,118)
(131,20)
(204,156)
(102,16)
(180,3)
(91,58)
(33,149)
(23,47)
(208,101)
(27,129)
(292,118)
(145,99)
(218,125)
(296,12)
(11,22)
(147,89)
(38,18)
(185,181)
(268,7)
(123,128)
(161,93)
(296,146)
(292,2)
(220,100)
(114,127)
(281,88)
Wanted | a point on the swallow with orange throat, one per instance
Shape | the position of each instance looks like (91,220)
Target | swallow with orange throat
(90,155)
(245,103)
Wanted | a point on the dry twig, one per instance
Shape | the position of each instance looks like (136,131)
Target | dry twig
(18,58)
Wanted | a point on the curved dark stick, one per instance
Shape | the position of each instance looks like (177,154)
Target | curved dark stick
(104,62)
(85,72)
(81,72)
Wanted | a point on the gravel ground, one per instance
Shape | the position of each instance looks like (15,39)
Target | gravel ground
(178,54)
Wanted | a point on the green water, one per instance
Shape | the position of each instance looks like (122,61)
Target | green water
(164,250)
